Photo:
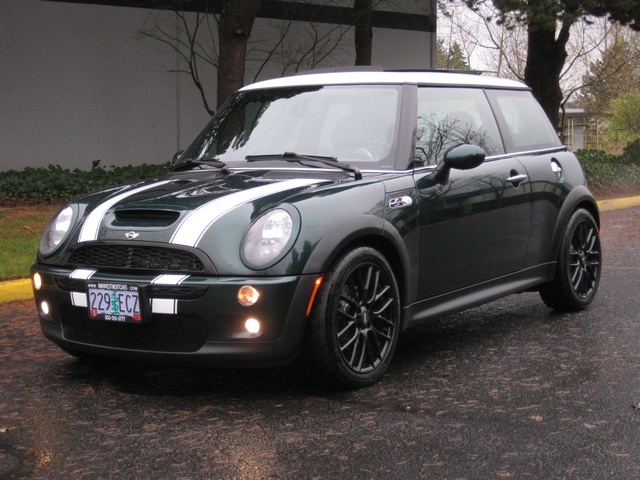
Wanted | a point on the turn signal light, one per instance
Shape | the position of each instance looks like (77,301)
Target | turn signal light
(247,295)
(37,281)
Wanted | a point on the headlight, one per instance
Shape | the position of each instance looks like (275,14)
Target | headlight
(267,239)
(56,231)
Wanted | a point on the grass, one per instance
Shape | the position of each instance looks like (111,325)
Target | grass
(21,229)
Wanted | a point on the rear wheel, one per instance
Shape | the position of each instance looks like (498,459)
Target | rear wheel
(356,323)
(578,266)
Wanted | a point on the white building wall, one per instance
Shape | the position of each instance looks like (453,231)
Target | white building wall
(77,86)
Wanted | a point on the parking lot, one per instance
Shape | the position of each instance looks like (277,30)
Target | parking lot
(508,390)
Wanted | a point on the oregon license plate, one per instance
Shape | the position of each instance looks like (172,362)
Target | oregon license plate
(114,302)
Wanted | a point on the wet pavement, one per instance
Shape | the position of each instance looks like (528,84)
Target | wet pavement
(508,390)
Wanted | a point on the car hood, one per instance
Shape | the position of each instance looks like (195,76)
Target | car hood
(179,209)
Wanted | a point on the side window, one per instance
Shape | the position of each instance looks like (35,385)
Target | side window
(450,116)
(527,126)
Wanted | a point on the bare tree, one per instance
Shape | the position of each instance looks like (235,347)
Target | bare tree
(503,47)
(363,10)
(207,40)
(234,29)
(549,24)
(292,45)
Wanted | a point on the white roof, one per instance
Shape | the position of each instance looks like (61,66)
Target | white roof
(379,77)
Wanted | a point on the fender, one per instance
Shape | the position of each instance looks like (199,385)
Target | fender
(579,196)
(349,231)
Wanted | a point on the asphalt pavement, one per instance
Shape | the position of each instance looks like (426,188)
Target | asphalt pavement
(507,390)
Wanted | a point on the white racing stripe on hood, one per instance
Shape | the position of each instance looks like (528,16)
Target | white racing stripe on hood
(92,223)
(197,222)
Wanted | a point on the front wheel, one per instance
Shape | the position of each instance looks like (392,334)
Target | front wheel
(578,266)
(356,323)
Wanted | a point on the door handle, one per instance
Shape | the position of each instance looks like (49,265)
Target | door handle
(516,178)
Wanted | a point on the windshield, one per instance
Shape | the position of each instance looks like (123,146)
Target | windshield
(354,124)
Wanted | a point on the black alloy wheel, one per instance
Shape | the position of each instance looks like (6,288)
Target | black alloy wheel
(584,259)
(579,265)
(357,324)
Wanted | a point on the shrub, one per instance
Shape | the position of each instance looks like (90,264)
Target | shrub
(631,153)
(605,173)
(55,184)
(608,173)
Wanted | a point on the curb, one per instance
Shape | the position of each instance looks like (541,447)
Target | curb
(14,290)
(618,203)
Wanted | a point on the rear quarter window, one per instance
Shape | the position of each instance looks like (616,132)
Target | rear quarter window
(524,124)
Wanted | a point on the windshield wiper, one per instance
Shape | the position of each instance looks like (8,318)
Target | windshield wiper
(190,163)
(304,159)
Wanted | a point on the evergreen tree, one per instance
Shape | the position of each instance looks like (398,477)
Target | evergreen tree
(452,58)
(615,73)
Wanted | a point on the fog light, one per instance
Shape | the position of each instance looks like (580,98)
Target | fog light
(44,306)
(247,295)
(37,281)
(252,326)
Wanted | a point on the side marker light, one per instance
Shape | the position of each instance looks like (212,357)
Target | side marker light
(316,287)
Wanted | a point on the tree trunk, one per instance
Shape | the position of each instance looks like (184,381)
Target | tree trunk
(545,58)
(236,21)
(364,31)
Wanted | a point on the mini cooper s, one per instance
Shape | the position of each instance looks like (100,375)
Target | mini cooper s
(324,214)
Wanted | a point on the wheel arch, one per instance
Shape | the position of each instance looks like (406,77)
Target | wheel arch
(579,197)
(364,230)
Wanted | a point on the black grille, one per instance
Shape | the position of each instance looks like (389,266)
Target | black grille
(70,284)
(129,257)
(162,333)
(144,218)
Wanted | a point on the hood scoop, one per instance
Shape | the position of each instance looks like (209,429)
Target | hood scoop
(142,218)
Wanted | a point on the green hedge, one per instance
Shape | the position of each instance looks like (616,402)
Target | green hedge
(608,173)
(605,173)
(56,184)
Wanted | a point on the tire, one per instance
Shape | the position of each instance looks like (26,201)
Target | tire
(578,267)
(356,322)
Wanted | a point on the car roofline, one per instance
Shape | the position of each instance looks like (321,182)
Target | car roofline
(377,77)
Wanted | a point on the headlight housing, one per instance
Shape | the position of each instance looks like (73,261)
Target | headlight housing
(269,239)
(57,230)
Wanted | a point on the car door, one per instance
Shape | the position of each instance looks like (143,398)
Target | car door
(475,227)
(529,135)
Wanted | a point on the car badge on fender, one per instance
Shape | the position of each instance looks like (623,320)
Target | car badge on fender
(398,202)
(131,235)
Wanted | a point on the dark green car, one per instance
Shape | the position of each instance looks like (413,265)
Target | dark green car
(325,214)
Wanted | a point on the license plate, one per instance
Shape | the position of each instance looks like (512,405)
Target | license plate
(114,302)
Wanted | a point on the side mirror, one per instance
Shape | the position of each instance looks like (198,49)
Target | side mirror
(460,157)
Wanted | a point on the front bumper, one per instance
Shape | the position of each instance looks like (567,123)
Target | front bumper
(191,320)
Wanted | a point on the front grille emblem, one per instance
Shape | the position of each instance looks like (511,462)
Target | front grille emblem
(131,235)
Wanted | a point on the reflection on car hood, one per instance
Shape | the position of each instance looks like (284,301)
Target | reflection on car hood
(183,209)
